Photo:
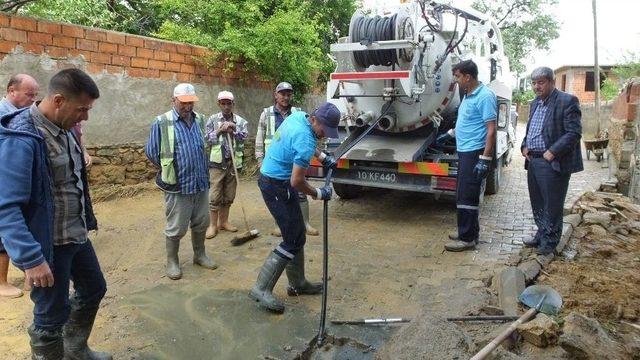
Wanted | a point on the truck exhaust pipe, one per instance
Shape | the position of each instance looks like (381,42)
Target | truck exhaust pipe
(387,122)
(365,118)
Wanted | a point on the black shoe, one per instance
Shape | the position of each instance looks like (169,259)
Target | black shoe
(532,242)
(545,250)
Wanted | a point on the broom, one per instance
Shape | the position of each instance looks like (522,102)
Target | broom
(249,234)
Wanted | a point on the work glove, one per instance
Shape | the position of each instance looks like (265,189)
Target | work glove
(329,162)
(482,168)
(324,193)
(443,138)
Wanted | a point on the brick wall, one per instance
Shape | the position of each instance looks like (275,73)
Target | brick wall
(117,53)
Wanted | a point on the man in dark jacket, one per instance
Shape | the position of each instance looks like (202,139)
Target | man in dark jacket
(46,213)
(552,151)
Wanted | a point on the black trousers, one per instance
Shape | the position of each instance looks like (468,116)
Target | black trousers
(468,196)
(547,192)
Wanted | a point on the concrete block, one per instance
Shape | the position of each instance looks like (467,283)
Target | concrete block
(531,269)
(567,230)
(511,284)
(541,331)
(573,219)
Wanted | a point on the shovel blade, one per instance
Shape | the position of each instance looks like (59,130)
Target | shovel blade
(544,298)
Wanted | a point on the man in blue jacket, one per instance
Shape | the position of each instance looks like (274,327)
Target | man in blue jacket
(46,213)
(282,176)
(551,147)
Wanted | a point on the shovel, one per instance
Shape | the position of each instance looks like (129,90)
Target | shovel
(249,234)
(540,298)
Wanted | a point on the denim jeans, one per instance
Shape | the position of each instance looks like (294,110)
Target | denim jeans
(77,262)
(468,196)
(284,205)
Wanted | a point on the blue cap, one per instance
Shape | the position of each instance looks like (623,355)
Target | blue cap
(329,117)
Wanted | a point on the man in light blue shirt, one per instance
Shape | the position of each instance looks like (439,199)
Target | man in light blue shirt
(475,135)
(282,177)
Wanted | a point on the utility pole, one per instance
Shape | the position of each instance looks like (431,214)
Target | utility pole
(596,69)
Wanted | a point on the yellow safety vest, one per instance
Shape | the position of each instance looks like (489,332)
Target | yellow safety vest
(271,125)
(167,145)
(215,155)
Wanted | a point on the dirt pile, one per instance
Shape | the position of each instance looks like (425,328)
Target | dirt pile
(598,276)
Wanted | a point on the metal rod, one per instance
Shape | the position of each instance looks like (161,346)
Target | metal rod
(370,321)
(484,318)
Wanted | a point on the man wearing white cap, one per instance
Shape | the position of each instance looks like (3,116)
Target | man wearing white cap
(177,146)
(223,180)
(269,122)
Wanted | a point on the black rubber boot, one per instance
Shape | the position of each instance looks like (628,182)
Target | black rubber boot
(269,274)
(76,333)
(298,284)
(173,264)
(46,345)
(199,255)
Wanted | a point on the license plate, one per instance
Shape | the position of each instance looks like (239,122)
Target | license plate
(376,176)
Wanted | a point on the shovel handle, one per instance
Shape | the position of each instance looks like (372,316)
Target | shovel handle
(505,334)
(235,171)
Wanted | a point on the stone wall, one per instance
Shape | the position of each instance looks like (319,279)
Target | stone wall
(135,74)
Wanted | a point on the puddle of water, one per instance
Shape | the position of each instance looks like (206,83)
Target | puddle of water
(191,322)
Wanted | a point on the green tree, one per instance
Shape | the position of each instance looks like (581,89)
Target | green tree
(525,25)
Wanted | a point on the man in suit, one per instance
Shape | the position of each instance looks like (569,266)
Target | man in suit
(551,147)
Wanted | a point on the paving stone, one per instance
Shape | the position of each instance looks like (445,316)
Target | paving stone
(573,219)
(531,269)
(511,282)
(541,331)
(584,338)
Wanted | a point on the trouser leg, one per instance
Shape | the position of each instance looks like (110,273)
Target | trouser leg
(468,197)
(199,222)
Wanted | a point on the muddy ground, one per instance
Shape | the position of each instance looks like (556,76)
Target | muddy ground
(386,261)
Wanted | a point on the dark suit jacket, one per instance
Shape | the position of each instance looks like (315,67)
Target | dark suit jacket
(561,131)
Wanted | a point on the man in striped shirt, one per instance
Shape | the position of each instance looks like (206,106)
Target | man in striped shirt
(176,145)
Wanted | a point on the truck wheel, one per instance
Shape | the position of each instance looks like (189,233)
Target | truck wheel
(347,191)
(493,179)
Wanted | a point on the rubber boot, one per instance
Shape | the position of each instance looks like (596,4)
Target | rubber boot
(276,231)
(45,345)
(199,255)
(76,333)
(304,206)
(298,284)
(224,220)
(173,264)
(212,230)
(262,291)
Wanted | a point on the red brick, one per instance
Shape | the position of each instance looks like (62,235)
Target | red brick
(33,48)
(183,49)
(182,77)
(4,20)
(100,58)
(155,64)
(114,69)
(168,47)
(179,58)
(83,53)
(187,69)
(135,41)
(139,62)
(127,50)
(22,23)
(108,48)
(153,44)
(7,46)
(201,70)
(89,45)
(144,53)
(64,41)
(190,60)
(631,112)
(145,73)
(120,60)
(49,27)
(161,55)
(95,68)
(13,35)
(57,52)
(167,75)
(172,66)
(73,31)
(215,72)
(202,52)
(95,35)
(39,38)
(116,38)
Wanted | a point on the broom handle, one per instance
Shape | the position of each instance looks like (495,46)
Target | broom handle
(235,170)
(505,334)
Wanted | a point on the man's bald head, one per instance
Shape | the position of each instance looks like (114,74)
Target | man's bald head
(22,90)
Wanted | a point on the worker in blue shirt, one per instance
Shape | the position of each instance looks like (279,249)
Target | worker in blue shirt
(176,146)
(282,177)
(475,135)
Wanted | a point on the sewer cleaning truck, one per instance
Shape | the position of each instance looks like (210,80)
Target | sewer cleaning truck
(396,70)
